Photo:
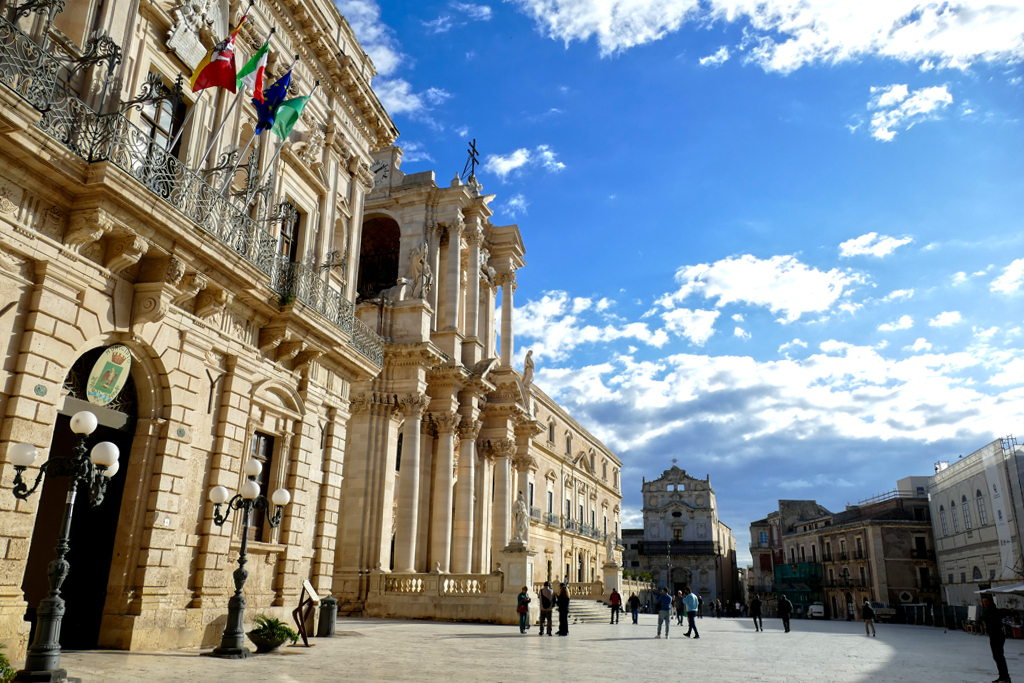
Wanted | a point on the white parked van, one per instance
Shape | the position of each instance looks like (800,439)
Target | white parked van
(816,611)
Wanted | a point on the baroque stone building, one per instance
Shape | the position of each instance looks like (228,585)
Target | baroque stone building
(683,541)
(321,313)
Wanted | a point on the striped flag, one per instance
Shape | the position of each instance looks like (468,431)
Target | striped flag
(217,70)
(251,75)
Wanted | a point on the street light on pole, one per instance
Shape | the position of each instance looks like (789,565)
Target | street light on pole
(42,662)
(232,643)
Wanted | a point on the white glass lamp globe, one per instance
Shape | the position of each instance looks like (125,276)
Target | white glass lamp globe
(112,470)
(219,495)
(104,453)
(250,490)
(253,468)
(281,497)
(84,422)
(22,454)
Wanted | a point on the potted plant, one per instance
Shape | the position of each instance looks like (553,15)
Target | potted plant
(270,633)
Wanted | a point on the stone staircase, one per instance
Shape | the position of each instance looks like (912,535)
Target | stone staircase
(587,612)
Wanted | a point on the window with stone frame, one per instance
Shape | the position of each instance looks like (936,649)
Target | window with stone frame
(551,432)
(288,237)
(982,512)
(551,502)
(967,512)
(976,576)
(956,520)
(568,444)
(945,530)
(263,451)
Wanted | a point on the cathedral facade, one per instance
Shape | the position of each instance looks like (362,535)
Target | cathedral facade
(216,296)
(683,542)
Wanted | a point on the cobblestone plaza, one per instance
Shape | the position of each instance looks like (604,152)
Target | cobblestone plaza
(728,650)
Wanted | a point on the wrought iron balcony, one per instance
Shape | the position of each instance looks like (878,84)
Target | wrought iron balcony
(32,73)
(535,513)
(552,519)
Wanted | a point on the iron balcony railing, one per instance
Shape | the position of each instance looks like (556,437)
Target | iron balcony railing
(535,513)
(552,519)
(32,73)
(571,524)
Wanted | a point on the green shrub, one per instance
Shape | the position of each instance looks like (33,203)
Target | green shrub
(273,629)
(6,670)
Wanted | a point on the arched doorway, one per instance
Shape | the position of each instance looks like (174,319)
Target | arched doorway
(378,256)
(93,529)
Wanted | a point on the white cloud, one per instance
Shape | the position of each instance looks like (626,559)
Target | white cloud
(896,109)
(945,319)
(522,158)
(442,24)
(959,278)
(1011,279)
(781,283)
(793,344)
(462,131)
(738,317)
(374,36)
(474,12)
(516,205)
(784,35)
(872,244)
(467,12)
(904,323)
(717,59)
(603,304)
(899,294)
(697,326)
(920,344)
(413,152)
(398,97)
(741,333)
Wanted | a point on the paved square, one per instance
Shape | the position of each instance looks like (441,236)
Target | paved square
(728,650)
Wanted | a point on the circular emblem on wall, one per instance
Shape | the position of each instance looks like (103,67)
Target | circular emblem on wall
(40,390)
(181,432)
(109,375)
(700,500)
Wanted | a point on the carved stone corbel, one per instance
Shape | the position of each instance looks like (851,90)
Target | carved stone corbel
(303,360)
(190,286)
(87,226)
(124,251)
(211,301)
(287,350)
(152,301)
(271,338)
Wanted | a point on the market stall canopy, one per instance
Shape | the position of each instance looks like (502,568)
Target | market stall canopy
(1015,589)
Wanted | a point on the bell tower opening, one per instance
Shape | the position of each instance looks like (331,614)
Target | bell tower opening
(378,256)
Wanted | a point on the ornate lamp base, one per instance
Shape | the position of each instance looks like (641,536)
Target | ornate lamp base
(53,676)
(229,653)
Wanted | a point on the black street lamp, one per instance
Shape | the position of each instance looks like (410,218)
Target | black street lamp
(42,664)
(232,642)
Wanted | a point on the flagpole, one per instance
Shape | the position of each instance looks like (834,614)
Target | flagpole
(277,154)
(234,168)
(188,117)
(227,115)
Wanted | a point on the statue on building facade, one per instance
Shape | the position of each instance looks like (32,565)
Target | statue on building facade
(419,272)
(528,370)
(520,521)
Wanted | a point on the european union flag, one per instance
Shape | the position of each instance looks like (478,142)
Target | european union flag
(272,99)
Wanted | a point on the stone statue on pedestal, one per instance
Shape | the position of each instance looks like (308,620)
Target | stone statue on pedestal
(520,522)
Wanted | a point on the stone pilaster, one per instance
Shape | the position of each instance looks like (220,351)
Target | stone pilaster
(428,432)
(503,450)
(441,516)
(330,496)
(482,524)
(465,492)
(508,287)
(471,348)
(453,277)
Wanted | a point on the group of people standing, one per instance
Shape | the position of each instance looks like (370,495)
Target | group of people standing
(549,601)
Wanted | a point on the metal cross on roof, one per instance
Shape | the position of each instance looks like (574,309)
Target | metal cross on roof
(474,158)
(673,461)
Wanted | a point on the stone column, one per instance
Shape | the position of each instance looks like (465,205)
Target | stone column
(330,495)
(427,434)
(502,509)
(359,184)
(441,517)
(482,537)
(508,288)
(465,492)
(406,525)
(453,277)
(471,349)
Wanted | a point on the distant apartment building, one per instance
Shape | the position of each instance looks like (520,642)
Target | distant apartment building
(976,506)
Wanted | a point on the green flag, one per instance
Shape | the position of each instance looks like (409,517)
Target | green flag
(287,115)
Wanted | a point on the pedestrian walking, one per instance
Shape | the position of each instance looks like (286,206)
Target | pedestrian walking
(664,611)
(755,613)
(785,611)
(563,611)
(616,601)
(634,606)
(523,607)
(547,605)
(692,603)
(868,614)
(992,617)
(677,602)
(700,606)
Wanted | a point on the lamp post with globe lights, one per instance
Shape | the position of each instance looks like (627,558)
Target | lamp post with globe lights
(88,469)
(248,498)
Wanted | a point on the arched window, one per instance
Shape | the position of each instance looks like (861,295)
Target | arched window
(942,518)
(378,256)
(551,431)
(568,444)
(977,575)
(956,520)
(982,513)
(967,512)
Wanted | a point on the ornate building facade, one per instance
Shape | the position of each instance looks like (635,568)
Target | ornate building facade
(292,302)
(684,543)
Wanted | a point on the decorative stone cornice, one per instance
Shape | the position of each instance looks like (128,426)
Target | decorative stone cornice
(375,403)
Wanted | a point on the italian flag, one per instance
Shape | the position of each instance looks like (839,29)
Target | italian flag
(251,74)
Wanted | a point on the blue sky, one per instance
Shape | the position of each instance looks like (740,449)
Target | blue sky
(779,241)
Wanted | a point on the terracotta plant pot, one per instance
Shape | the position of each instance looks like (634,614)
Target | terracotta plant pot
(265,645)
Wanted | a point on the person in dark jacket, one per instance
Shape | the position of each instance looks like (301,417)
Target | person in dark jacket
(867,612)
(992,617)
(523,607)
(563,611)
(755,612)
(634,606)
(785,611)
(616,602)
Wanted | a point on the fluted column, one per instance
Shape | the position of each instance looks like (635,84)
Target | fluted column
(508,288)
(504,449)
(471,349)
(441,517)
(482,537)
(462,545)
(453,280)
(427,433)
(407,520)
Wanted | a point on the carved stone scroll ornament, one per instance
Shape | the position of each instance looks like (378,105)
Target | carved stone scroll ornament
(86,227)
(184,38)
(190,286)
(211,302)
(152,301)
(124,251)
